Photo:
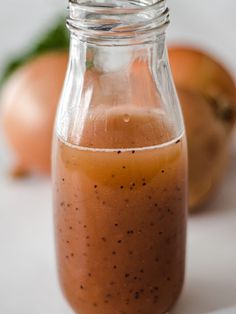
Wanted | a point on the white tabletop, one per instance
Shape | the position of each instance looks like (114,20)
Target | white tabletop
(28,282)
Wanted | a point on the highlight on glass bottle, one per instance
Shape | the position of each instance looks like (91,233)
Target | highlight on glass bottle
(119,163)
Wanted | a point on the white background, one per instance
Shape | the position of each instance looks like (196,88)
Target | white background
(28,283)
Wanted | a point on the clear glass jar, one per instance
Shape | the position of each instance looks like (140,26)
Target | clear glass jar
(119,163)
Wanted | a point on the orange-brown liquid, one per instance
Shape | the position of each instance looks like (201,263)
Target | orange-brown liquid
(120,219)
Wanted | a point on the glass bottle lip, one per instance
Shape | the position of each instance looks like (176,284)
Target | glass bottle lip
(117,20)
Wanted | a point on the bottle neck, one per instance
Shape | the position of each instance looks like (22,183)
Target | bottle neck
(118,60)
(117,23)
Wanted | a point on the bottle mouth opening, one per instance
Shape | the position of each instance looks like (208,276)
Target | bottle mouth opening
(119,19)
(118,6)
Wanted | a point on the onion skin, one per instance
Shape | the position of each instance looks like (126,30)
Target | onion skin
(208,98)
(28,106)
(197,71)
(208,147)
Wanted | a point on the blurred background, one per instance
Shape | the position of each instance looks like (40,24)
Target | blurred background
(28,281)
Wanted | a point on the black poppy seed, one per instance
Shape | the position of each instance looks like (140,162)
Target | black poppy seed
(67,241)
(136,295)
(89,274)
(155,205)
(76,208)
(160,232)
(119,241)
(118,152)
(114,253)
(63,179)
(103,203)
(114,267)
(133,151)
(95,186)
(81,287)
(156,288)
(126,275)
(130,252)
(144,184)
(70,228)
(177,141)
(72,254)
(135,278)
(116,225)
(130,232)
(113,176)
(124,167)
(85,226)
(168,278)
(104,239)
(162,171)
(141,271)
(121,186)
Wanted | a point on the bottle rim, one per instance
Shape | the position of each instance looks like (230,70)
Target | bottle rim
(117,20)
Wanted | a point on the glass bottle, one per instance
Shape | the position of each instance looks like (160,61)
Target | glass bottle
(119,163)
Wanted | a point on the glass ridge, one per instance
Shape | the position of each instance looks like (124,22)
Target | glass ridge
(117,19)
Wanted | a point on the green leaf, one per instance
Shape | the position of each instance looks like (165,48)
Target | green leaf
(56,38)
